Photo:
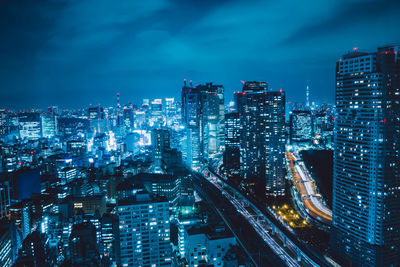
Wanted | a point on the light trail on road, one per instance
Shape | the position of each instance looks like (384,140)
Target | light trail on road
(312,201)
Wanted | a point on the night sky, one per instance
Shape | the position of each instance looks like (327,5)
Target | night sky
(75,52)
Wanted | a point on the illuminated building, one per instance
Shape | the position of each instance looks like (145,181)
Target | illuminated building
(262,139)
(232,142)
(144,238)
(70,126)
(26,218)
(8,242)
(89,204)
(301,126)
(156,113)
(160,142)
(49,125)
(140,119)
(128,118)
(66,175)
(77,147)
(3,122)
(96,113)
(366,193)
(207,244)
(5,200)
(110,237)
(164,185)
(30,125)
(191,109)
(170,111)
(203,116)
(213,118)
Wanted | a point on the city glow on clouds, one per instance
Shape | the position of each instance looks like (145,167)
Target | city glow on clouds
(73,53)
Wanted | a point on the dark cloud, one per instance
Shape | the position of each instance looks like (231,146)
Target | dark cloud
(76,52)
(362,12)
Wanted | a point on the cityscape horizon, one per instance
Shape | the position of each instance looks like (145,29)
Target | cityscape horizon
(109,159)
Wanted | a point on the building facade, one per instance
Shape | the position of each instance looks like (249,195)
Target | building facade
(144,231)
(366,193)
(262,138)
(203,117)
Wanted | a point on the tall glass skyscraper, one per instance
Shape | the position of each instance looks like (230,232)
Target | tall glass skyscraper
(366,196)
(262,138)
(203,116)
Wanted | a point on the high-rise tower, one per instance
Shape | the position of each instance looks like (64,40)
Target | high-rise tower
(203,116)
(262,138)
(366,185)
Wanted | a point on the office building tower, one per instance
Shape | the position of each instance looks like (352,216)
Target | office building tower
(213,119)
(207,245)
(66,175)
(49,124)
(110,237)
(262,139)
(83,245)
(69,126)
(164,185)
(191,108)
(232,142)
(170,111)
(145,238)
(6,250)
(203,116)
(30,125)
(26,218)
(5,199)
(366,185)
(3,122)
(160,142)
(301,127)
(96,112)
(77,147)
(128,118)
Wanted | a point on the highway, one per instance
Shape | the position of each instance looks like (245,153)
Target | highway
(284,248)
(305,185)
(259,253)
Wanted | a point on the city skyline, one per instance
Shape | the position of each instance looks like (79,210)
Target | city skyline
(75,53)
(185,133)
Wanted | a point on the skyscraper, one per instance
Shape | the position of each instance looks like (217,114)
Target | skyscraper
(366,193)
(160,142)
(144,230)
(301,126)
(262,139)
(203,115)
(3,122)
(213,118)
(49,124)
(232,142)
(191,108)
(30,125)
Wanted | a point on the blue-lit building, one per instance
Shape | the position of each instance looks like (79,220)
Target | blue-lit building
(366,193)
(145,238)
(232,142)
(30,126)
(49,124)
(301,126)
(262,139)
(203,117)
